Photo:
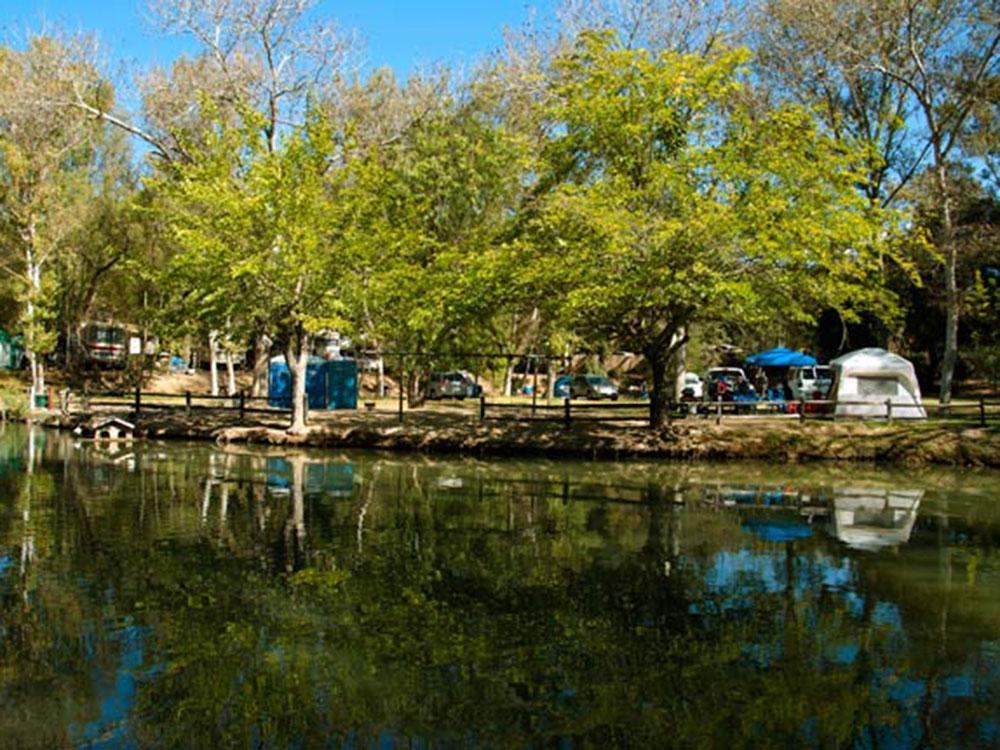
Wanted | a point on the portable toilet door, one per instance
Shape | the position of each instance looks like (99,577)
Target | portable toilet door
(316,383)
(279,384)
(342,384)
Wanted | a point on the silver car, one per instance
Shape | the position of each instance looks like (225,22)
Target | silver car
(452,384)
(593,386)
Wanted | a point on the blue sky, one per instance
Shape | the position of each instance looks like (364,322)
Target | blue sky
(398,33)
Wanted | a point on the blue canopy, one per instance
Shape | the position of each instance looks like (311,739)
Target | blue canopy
(780,357)
(777,530)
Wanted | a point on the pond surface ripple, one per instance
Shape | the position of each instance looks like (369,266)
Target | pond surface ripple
(180,595)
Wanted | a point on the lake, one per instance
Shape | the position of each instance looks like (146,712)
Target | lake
(192,595)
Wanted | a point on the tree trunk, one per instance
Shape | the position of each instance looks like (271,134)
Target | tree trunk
(213,365)
(659,395)
(297,357)
(550,382)
(34,272)
(413,395)
(381,377)
(261,365)
(680,366)
(508,378)
(230,375)
(950,354)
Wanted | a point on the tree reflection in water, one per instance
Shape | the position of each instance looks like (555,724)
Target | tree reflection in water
(184,595)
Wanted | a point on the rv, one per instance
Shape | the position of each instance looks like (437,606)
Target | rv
(104,343)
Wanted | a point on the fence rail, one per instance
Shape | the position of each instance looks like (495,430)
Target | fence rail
(140,400)
(983,410)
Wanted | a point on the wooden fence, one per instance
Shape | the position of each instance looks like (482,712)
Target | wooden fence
(140,401)
(982,411)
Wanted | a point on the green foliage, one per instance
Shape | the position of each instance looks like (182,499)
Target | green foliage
(678,204)
(434,227)
(15,402)
(258,232)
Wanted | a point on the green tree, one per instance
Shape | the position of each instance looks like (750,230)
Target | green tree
(437,214)
(677,201)
(911,78)
(261,236)
(46,156)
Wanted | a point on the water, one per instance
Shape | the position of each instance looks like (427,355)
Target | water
(180,595)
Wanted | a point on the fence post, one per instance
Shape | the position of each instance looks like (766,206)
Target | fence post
(888,410)
(243,404)
(187,403)
(534,385)
(718,410)
(802,409)
(567,418)
(402,381)
(982,411)
(138,402)
(482,407)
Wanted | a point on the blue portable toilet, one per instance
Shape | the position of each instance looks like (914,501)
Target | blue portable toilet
(342,384)
(279,383)
(330,479)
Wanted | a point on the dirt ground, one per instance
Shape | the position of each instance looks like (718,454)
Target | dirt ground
(456,428)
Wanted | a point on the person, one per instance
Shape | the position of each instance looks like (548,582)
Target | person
(761,381)
(743,389)
(722,389)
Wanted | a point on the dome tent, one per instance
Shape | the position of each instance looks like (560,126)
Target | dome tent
(865,379)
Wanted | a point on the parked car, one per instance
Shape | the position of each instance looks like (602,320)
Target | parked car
(692,387)
(810,383)
(561,387)
(475,390)
(730,383)
(593,387)
(453,384)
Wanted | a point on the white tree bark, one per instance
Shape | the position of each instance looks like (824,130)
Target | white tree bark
(213,365)
(231,374)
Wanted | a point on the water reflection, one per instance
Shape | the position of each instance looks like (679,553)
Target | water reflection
(871,518)
(183,595)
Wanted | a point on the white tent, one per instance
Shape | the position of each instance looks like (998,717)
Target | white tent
(865,379)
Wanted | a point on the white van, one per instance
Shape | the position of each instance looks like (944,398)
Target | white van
(692,386)
(811,383)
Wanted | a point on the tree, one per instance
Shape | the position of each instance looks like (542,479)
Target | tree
(261,235)
(686,26)
(45,161)
(908,76)
(437,219)
(674,202)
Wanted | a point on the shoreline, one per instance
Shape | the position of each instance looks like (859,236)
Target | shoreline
(897,443)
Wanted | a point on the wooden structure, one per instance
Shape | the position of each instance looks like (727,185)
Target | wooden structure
(108,428)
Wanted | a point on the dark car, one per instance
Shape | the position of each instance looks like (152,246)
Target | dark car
(729,384)
(593,387)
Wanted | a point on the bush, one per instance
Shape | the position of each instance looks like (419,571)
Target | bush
(15,402)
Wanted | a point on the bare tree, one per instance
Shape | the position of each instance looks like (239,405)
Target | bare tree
(685,26)
(270,53)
